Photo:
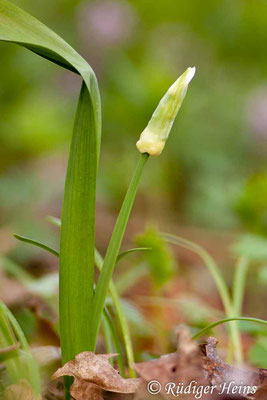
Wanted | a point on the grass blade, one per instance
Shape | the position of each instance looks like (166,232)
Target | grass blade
(13,366)
(130,251)
(220,284)
(222,321)
(36,243)
(31,372)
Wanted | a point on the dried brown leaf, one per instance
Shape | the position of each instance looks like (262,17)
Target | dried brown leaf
(201,364)
(92,374)
(261,393)
(184,366)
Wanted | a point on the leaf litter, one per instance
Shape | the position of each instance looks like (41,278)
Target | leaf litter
(200,365)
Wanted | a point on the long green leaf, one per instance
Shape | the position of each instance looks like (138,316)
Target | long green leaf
(78,213)
(77,239)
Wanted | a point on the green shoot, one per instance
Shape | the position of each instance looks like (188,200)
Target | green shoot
(220,284)
(222,321)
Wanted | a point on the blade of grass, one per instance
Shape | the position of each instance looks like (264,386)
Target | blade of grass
(33,375)
(14,366)
(130,251)
(220,284)
(36,243)
(114,246)
(222,321)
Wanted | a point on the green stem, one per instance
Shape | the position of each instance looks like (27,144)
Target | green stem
(121,317)
(114,247)
(220,284)
(222,321)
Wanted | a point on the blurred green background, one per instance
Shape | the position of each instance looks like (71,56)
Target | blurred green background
(213,172)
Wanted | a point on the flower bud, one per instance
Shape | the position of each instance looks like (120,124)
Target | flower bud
(153,138)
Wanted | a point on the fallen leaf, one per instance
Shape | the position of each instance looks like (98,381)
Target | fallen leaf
(261,393)
(184,366)
(96,379)
(92,374)
(200,363)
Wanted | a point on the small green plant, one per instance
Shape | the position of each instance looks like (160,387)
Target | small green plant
(18,359)
(82,300)
(79,326)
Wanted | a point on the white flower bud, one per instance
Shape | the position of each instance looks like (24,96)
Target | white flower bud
(153,138)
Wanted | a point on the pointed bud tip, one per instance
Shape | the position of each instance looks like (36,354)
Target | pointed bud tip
(154,136)
(190,74)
